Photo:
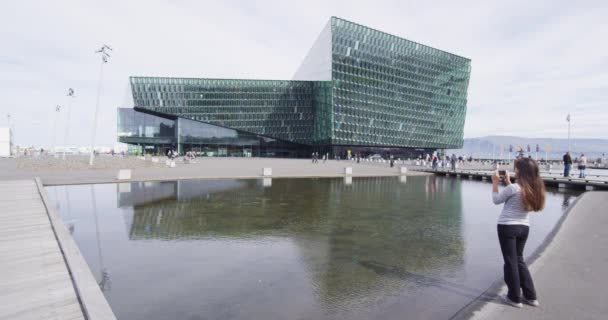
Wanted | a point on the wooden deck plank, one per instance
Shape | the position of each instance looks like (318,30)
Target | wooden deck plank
(35,281)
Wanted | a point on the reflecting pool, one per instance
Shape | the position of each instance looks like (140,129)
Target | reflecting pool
(332,248)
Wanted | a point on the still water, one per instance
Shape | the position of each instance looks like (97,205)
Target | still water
(366,248)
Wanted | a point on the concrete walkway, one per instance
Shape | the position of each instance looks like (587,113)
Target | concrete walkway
(42,273)
(571,274)
(204,168)
(34,280)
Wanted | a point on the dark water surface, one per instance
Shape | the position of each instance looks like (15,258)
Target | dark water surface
(368,248)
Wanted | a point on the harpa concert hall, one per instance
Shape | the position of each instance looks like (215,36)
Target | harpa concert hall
(358,90)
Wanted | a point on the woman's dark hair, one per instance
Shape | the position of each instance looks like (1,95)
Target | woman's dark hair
(532,185)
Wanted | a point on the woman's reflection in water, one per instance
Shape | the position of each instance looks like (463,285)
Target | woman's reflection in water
(566,201)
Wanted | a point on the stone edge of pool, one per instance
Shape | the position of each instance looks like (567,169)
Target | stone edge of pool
(93,302)
(484,308)
(54,182)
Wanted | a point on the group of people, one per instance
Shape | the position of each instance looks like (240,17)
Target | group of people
(581,162)
(357,157)
(315,157)
(189,156)
(444,162)
(171,154)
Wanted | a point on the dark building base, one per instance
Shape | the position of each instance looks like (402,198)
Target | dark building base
(151,132)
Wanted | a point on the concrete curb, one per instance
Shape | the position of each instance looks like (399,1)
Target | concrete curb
(93,303)
(341,175)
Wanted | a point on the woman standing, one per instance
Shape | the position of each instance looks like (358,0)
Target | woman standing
(528,194)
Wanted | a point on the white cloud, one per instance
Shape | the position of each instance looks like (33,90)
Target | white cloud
(532,63)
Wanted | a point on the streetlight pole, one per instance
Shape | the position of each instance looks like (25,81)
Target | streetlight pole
(10,133)
(568,119)
(67,124)
(57,110)
(104,59)
(8,123)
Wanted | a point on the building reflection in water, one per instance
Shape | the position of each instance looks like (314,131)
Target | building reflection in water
(374,230)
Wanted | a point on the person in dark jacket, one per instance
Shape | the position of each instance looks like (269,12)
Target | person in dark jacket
(567,164)
(453,162)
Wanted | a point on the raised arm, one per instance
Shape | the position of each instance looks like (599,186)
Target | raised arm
(499,197)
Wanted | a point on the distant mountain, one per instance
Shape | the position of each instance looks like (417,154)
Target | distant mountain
(490,146)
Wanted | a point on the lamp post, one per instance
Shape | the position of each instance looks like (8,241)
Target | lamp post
(67,123)
(8,123)
(10,133)
(57,110)
(568,120)
(105,49)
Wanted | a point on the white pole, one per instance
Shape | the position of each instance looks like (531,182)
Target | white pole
(67,124)
(11,134)
(568,133)
(96,111)
(57,108)
(8,121)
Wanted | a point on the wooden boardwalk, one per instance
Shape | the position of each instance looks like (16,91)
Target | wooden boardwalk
(552,179)
(34,278)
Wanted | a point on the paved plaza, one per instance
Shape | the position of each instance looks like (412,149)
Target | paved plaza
(571,274)
(76,171)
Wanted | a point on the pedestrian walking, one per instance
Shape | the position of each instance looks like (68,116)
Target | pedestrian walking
(582,166)
(435,162)
(312,157)
(391,161)
(528,194)
(567,164)
(453,162)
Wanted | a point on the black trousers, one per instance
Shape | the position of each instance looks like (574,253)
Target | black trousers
(512,240)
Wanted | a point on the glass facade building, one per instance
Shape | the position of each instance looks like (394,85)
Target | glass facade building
(358,89)
(156,133)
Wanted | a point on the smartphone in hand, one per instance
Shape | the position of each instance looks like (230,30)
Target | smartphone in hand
(502,173)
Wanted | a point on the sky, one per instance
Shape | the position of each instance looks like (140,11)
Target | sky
(533,62)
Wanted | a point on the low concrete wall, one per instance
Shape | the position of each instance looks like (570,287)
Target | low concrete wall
(94,304)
